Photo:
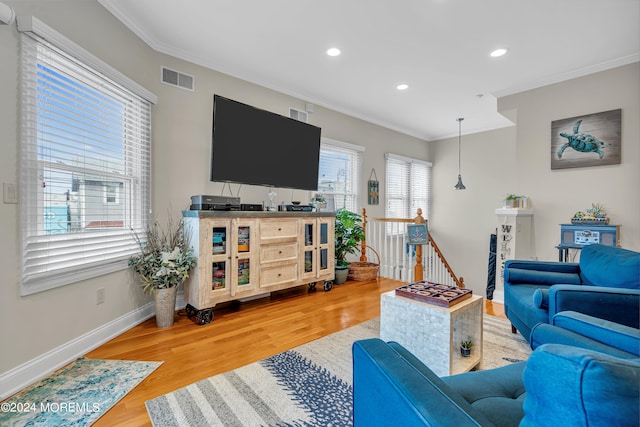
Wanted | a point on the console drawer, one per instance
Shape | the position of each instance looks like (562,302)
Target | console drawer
(279,252)
(271,276)
(278,229)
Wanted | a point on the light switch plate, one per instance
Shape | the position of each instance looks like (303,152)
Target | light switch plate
(10,193)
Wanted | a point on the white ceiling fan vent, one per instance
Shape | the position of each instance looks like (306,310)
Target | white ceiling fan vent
(298,114)
(177,79)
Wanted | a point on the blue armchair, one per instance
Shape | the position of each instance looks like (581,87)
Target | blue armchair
(605,284)
(560,385)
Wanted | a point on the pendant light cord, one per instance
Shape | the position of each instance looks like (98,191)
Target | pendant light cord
(459,142)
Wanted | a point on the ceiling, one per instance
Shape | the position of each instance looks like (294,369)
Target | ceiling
(440,48)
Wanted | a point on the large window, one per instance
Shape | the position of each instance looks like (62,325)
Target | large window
(408,187)
(85,172)
(339,174)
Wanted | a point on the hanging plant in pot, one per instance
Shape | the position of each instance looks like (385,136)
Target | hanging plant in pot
(164,262)
(348,235)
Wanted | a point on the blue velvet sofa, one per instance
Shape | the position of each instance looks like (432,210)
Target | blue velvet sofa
(560,385)
(605,284)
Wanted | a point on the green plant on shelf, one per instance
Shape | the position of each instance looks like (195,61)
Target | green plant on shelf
(466,344)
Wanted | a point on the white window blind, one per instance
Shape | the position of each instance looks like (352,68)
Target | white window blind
(408,187)
(85,163)
(339,173)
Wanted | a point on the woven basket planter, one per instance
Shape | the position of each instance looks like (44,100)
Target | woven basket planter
(363,271)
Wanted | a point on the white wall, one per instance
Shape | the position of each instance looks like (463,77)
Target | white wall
(517,160)
(39,327)
(463,220)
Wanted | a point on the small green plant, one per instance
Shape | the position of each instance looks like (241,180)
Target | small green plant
(466,344)
(348,234)
(512,197)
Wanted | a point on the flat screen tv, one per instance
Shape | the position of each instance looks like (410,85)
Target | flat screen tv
(254,146)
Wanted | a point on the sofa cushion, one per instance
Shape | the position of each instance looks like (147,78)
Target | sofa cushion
(608,266)
(586,388)
(518,301)
(497,393)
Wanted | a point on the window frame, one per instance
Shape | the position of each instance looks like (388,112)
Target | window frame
(411,203)
(43,261)
(352,191)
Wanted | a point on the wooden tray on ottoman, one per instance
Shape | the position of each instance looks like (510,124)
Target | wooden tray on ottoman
(434,293)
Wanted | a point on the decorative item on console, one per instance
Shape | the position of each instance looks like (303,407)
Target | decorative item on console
(318,201)
(595,215)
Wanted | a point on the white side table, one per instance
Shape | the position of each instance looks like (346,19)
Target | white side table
(433,333)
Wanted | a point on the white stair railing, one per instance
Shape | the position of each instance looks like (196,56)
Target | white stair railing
(398,259)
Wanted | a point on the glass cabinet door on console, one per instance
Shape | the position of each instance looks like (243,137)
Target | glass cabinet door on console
(325,244)
(317,262)
(243,256)
(308,263)
(218,250)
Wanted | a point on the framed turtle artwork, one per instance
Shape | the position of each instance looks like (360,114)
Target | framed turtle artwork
(589,140)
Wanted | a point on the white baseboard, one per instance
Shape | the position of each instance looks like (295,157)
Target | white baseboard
(17,378)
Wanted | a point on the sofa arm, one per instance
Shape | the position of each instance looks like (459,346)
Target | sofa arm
(604,331)
(541,272)
(618,305)
(579,330)
(391,389)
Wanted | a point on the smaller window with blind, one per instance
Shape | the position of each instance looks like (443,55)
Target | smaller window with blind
(408,187)
(85,178)
(339,174)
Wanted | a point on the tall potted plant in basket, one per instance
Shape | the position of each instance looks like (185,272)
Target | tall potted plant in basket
(348,235)
(164,262)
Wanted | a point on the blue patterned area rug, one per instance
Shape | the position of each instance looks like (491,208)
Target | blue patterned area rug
(307,386)
(77,395)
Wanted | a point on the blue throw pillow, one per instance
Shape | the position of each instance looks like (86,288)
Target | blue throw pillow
(541,298)
(540,277)
(612,267)
(567,386)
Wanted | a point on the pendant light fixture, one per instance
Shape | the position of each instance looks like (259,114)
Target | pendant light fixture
(459,185)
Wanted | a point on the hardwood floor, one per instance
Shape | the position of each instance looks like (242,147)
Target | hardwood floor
(239,334)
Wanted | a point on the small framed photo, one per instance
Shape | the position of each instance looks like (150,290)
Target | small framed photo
(418,234)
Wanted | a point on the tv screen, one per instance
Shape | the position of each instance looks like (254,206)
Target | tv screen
(254,146)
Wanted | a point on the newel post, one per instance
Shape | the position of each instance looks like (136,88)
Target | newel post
(417,271)
(363,244)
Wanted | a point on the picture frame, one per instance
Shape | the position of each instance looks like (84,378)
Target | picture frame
(588,140)
(418,234)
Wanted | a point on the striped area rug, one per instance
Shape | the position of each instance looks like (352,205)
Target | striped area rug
(309,385)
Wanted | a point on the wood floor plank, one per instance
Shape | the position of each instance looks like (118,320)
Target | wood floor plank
(239,334)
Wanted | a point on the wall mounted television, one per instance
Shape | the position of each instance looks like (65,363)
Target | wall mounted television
(258,147)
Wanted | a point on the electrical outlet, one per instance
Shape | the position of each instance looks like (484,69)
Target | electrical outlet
(100,296)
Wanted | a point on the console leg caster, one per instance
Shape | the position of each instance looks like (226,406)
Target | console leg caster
(513,329)
(199,317)
(328,285)
(312,287)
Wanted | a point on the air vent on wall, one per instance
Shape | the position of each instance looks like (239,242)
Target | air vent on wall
(298,114)
(176,78)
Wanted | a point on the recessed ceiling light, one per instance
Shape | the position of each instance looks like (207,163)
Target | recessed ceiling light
(334,51)
(402,86)
(498,52)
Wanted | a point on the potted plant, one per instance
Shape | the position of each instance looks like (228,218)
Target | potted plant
(511,201)
(465,348)
(164,262)
(348,235)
